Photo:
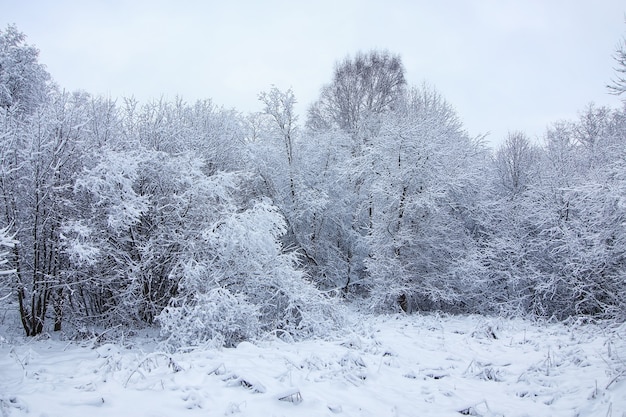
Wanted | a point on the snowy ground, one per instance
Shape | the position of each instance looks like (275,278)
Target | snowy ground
(385,366)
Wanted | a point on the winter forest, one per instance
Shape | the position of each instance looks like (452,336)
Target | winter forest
(218,226)
(367,258)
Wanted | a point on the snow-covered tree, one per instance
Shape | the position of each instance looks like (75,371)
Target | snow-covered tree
(426,181)
(342,124)
(289,162)
(40,153)
(516,163)
(24,82)
(556,249)
(279,108)
(618,84)
(362,87)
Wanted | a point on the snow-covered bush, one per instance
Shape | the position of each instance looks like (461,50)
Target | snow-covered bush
(218,317)
(146,212)
(243,284)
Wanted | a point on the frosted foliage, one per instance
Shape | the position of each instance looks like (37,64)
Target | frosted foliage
(252,235)
(245,269)
(111,181)
(77,240)
(6,241)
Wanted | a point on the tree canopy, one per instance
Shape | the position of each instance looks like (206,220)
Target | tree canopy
(220,227)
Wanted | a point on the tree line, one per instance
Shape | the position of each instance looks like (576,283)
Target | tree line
(219,226)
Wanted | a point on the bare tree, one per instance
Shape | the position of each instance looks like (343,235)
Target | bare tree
(618,84)
(369,84)
(516,161)
(279,106)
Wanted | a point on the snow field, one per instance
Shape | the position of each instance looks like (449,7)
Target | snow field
(385,366)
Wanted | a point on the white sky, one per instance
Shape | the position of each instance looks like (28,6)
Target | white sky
(504,65)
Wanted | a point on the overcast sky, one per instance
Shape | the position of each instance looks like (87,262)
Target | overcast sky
(504,65)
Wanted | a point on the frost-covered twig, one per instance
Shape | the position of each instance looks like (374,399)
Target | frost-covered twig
(98,337)
(12,352)
(173,364)
(615,378)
